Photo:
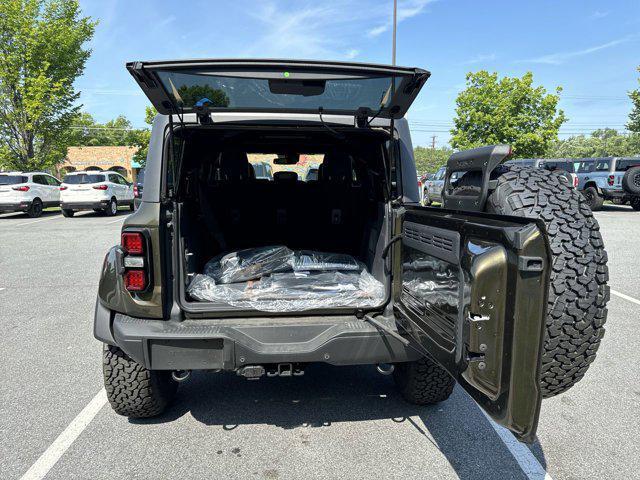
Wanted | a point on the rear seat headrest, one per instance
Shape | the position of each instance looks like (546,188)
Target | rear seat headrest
(336,167)
(282,177)
(233,165)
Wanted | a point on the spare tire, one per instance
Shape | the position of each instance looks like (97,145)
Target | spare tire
(578,291)
(631,181)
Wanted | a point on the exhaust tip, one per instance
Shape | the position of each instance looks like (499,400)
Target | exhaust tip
(385,368)
(180,375)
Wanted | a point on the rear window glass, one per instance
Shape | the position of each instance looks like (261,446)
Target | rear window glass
(140,176)
(12,179)
(584,167)
(83,178)
(192,89)
(264,164)
(602,165)
(622,165)
(564,166)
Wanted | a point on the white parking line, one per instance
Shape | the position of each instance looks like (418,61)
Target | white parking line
(626,297)
(115,221)
(61,444)
(40,220)
(526,460)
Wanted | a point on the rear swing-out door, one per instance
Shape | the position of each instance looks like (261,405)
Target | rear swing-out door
(471,289)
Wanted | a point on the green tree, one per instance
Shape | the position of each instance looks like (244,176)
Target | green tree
(143,136)
(506,110)
(634,116)
(601,143)
(41,55)
(85,131)
(190,95)
(428,160)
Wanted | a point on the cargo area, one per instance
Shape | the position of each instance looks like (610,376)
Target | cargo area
(281,220)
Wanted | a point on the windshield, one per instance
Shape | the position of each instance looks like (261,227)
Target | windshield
(12,179)
(83,178)
(622,165)
(193,89)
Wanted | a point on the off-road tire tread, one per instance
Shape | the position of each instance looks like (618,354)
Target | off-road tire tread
(578,292)
(133,390)
(423,382)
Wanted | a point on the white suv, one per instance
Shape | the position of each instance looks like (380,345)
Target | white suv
(95,190)
(28,192)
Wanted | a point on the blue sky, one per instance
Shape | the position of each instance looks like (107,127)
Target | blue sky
(590,48)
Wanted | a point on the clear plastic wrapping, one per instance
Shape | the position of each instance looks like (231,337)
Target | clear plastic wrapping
(249,264)
(277,279)
(293,291)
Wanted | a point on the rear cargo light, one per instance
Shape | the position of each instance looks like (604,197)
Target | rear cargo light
(100,187)
(63,188)
(132,242)
(611,179)
(24,188)
(135,280)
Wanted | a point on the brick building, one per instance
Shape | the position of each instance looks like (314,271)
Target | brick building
(119,159)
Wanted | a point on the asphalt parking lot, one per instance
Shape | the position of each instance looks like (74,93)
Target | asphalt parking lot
(332,423)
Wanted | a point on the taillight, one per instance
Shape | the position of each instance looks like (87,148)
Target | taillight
(611,178)
(23,188)
(137,276)
(135,280)
(63,188)
(135,191)
(419,184)
(575,181)
(132,243)
(100,187)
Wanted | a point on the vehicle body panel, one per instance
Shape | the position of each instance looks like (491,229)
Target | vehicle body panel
(39,185)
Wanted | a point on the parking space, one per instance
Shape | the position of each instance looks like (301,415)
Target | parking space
(331,423)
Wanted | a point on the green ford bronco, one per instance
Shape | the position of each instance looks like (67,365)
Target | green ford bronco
(503,290)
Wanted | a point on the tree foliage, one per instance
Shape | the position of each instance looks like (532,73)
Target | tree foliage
(634,116)
(507,110)
(143,136)
(41,55)
(601,143)
(428,160)
(85,131)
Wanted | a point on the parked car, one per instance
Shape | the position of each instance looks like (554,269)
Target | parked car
(490,301)
(95,190)
(28,192)
(138,188)
(312,174)
(434,186)
(262,170)
(609,178)
(562,166)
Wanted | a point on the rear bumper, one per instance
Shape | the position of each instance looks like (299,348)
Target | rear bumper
(15,206)
(89,205)
(230,344)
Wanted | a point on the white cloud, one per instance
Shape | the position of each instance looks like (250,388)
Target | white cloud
(406,9)
(480,58)
(327,29)
(599,14)
(561,57)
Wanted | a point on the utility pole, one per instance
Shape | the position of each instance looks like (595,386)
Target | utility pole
(433,142)
(395,18)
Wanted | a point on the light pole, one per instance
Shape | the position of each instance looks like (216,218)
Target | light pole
(393,47)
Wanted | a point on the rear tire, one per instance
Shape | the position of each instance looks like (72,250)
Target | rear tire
(112,208)
(133,390)
(132,207)
(578,292)
(67,213)
(635,203)
(423,382)
(593,198)
(35,209)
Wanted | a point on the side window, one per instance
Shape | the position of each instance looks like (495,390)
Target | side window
(602,166)
(585,167)
(52,181)
(40,179)
(113,178)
